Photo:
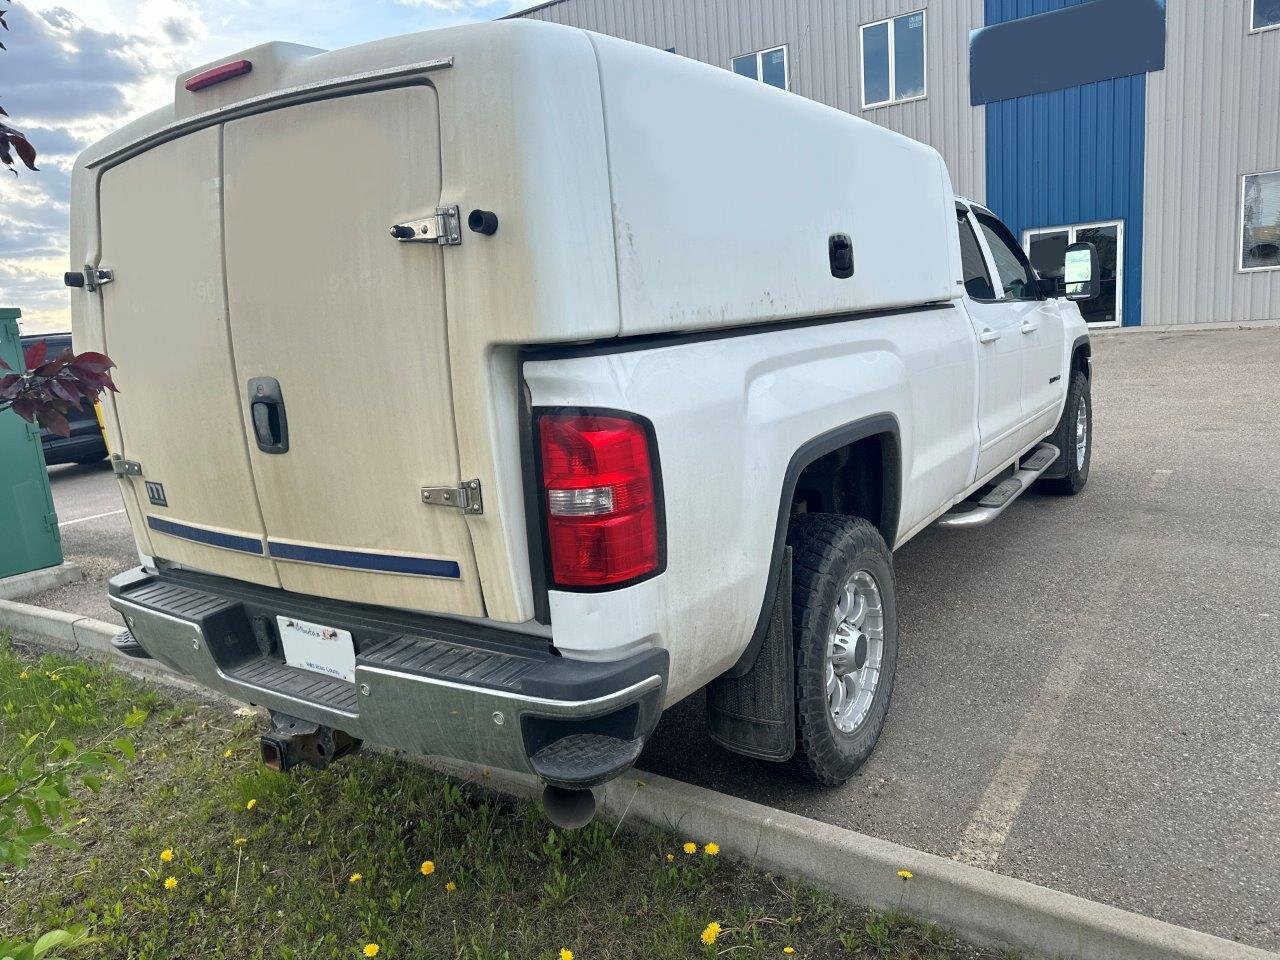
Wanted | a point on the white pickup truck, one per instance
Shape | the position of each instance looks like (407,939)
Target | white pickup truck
(486,391)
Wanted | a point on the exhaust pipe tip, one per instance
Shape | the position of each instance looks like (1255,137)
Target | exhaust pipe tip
(569,809)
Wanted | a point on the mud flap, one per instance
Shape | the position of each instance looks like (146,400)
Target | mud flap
(755,714)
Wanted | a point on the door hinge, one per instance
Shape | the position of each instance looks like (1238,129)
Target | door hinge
(51,521)
(445,228)
(465,496)
(125,468)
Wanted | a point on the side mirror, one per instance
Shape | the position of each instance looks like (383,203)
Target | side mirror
(1081,272)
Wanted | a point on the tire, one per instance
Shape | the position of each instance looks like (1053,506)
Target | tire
(1066,437)
(830,553)
(91,459)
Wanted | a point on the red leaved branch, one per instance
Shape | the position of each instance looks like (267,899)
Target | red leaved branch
(49,389)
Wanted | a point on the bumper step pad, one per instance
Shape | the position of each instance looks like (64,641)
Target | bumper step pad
(127,644)
(583,760)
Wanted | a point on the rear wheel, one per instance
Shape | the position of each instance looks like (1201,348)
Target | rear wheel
(1074,438)
(845,626)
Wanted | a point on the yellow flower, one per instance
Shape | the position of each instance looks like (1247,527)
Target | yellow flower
(450,887)
(788,950)
(427,868)
(82,821)
(171,883)
(227,753)
(709,935)
(690,847)
(905,874)
(566,953)
(251,804)
(371,949)
(166,855)
(670,857)
(355,878)
(711,849)
(23,675)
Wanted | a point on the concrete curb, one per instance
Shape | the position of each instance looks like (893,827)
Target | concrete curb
(1107,332)
(983,907)
(38,581)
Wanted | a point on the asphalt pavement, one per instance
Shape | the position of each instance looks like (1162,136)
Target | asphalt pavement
(1088,694)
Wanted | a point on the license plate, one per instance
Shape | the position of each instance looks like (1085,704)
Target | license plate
(313,646)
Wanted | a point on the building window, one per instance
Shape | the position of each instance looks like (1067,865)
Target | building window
(1266,14)
(1260,222)
(768,66)
(893,53)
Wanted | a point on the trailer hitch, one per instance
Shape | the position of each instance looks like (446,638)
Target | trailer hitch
(293,741)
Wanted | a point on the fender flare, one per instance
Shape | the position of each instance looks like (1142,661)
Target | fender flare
(811,450)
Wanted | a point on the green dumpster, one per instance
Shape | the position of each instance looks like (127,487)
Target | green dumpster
(28,525)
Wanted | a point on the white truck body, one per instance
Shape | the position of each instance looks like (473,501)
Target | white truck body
(664,247)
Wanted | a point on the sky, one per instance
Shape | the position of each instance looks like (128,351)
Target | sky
(77,69)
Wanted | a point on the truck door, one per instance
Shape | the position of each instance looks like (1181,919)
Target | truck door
(340,334)
(1039,329)
(1000,359)
(165,316)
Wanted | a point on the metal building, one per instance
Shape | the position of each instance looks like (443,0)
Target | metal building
(1150,127)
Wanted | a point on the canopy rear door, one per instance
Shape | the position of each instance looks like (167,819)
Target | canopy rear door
(165,324)
(351,324)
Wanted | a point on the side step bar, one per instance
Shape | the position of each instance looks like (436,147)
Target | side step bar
(993,503)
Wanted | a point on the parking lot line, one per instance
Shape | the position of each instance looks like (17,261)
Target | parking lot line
(96,516)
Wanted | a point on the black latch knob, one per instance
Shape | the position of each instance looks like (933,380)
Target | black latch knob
(483,221)
(73,278)
(403,231)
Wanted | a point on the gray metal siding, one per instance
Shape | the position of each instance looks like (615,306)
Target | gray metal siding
(822,56)
(1213,115)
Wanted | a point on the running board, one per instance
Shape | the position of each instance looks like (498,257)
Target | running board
(994,502)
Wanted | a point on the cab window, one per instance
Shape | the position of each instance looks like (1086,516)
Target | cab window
(977,282)
(1017,280)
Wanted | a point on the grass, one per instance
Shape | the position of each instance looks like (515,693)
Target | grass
(320,864)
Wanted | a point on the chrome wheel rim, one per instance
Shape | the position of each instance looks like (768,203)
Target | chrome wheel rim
(855,652)
(1082,432)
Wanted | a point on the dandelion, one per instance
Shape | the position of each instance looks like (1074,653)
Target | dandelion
(710,933)
(427,868)
(23,675)
(905,874)
(82,821)
(171,883)
(711,849)
(240,841)
(690,847)
(371,949)
(355,878)
(566,953)
(450,887)
(670,857)
(251,804)
(226,754)
(788,950)
(166,855)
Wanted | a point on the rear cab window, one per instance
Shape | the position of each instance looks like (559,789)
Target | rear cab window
(977,282)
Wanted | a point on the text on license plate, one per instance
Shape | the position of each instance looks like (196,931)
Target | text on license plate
(313,646)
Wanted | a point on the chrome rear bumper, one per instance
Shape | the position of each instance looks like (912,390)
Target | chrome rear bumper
(423,686)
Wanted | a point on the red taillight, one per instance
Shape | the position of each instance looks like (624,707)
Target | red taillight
(600,484)
(225,71)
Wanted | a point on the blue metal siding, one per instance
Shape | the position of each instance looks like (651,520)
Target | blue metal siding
(1070,156)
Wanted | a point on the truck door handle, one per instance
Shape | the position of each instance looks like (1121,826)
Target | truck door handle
(266,409)
(988,335)
(1029,327)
